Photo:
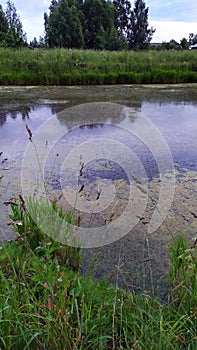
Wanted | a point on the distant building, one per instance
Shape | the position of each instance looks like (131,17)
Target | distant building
(193,47)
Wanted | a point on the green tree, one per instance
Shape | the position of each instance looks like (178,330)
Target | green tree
(121,15)
(41,42)
(98,23)
(139,36)
(114,41)
(15,35)
(3,27)
(173,45)
(184,44)
(50,25)
(62,26)
(122,10)
(34,43)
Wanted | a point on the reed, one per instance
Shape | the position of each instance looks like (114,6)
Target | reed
(89,67)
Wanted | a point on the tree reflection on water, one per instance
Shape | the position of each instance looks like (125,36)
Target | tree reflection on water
(23,112)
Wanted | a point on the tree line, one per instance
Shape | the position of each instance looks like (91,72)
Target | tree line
(97,24)
(88,24)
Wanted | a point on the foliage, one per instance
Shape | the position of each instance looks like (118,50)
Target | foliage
(121,16)
(139,35)
(62,26)
(3,26)
(184,44)
(96,24)
(11,30)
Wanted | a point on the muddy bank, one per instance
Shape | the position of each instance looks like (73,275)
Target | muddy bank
(17,97)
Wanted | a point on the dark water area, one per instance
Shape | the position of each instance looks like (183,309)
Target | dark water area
(173,113)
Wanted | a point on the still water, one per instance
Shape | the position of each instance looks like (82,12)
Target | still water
(122,146)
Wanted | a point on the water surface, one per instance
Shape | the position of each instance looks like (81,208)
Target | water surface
(173,110)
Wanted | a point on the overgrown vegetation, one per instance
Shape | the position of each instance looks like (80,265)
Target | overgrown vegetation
(47,304)
(89,67)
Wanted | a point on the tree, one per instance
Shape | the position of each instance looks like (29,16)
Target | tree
(34,43)
(122,10)
(121,15)
(173,45)
(139,36)
(98,23)
(184,44)
(15,35)
(62,26)
(41,42)
(50,24)
(114,41)
(3,26)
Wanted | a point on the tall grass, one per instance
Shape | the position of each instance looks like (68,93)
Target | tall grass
(46,303)
(88,67)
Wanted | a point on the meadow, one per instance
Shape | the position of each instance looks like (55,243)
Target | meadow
(89,67)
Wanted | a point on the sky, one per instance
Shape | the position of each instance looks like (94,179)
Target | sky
(171,19)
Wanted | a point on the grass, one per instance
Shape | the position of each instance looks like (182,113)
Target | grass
(46,303)
(88,67)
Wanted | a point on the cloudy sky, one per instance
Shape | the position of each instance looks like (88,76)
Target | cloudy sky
(171,19)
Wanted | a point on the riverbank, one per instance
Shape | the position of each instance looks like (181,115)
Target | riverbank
(47,303)
(88,67)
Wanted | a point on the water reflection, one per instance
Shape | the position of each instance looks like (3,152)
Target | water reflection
(23,113)
(91,126)
(98,113)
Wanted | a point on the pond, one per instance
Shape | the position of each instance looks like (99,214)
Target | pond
(130,154)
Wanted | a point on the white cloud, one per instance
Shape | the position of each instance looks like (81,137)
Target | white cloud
(34,27)
(176,10)
(167,30)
